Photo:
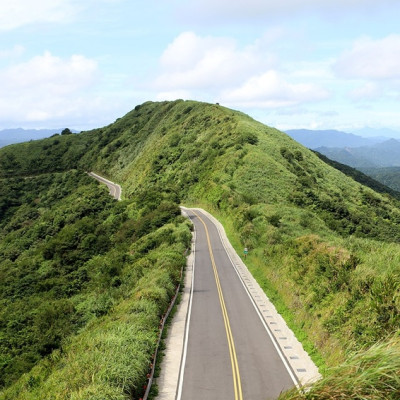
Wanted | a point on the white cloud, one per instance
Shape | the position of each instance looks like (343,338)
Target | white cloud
(271,90)
(17,13)
(371,59)
(191,61)
(245,9)
(369,90)
(316,70)
(16,51)
(173,95)
(215,69)
(49,75)
(46,87)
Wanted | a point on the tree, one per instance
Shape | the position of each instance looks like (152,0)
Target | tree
(66,131)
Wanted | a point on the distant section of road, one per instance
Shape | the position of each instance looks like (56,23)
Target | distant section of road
(115,190)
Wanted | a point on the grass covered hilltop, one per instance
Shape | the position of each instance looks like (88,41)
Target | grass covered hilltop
(84,277)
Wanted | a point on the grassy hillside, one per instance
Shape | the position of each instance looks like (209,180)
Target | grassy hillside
(84,281)
(324,247)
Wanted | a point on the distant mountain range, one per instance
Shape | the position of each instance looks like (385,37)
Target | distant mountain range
(374,132)
(385,154)
(331,138)
(18,135)
(378,157)
(350,149)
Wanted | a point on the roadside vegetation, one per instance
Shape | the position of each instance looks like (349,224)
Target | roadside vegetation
(323,246)
(84,281)
(373,374)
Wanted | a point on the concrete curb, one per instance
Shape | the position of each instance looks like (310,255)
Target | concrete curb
(168,380)
(163,321)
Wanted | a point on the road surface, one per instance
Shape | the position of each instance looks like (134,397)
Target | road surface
(115,190)
(228,352)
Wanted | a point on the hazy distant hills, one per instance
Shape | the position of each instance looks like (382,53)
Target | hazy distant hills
(385,154)
(388,176)
(331,138)
(350,149)
(19,135)
(378,157)
(376,132)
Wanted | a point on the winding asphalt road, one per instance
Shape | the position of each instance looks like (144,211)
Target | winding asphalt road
(228,352)
(115,190)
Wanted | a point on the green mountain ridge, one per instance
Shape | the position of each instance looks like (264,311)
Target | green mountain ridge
(324,247)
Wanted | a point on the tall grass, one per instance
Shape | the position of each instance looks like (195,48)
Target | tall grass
(373,374)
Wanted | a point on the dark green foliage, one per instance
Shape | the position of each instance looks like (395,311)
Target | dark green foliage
(45,237)
(380,222)
(65,261)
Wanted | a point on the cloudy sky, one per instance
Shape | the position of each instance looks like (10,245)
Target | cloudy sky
(316,64)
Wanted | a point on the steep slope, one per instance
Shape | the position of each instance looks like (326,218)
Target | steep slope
(323,246)
(211,154)
(82,287)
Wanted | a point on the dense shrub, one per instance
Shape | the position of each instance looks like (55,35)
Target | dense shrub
(66,262)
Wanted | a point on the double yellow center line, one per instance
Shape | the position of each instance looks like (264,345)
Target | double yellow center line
(235,367)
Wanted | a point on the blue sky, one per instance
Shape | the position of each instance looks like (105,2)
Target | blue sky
(316,64)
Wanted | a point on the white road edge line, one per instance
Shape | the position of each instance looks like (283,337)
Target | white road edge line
(185,345)
(294,378)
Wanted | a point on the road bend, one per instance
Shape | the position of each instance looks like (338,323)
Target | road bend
(228,352)
(115,189)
